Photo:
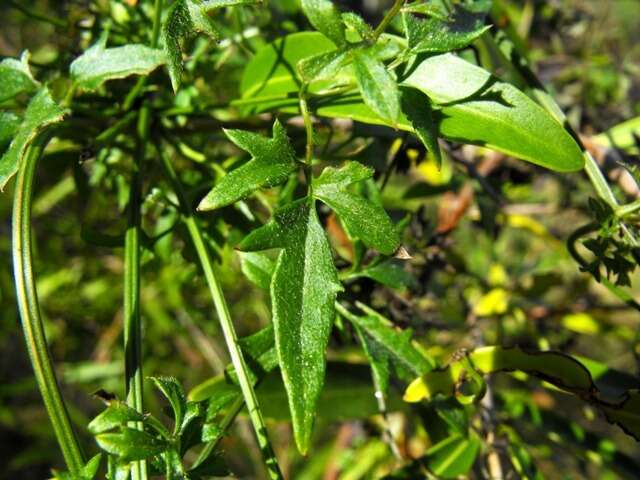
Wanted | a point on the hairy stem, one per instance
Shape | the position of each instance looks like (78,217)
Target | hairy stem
(27,300)
(228,330)
(388,18)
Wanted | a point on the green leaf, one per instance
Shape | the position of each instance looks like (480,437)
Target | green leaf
(363,219)
(453,456)
(378,88)
(323,66)
(625,414)
(88,471)
(131,444)
(273,160)
(9,124)
(386,346)
(390,272)
(15,77)
(490,108)
(172,390)
(417,107)
(99,64)
(303,292)
(117,414)
(438,35)
(325,18)
(357,23)
(258,268)
(517,126)
(41,112)
(185,18)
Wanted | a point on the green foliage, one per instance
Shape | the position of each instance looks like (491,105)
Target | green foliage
(303,290)
(16,77)
(358,247)
(41,112)
(99,64)
(272,162)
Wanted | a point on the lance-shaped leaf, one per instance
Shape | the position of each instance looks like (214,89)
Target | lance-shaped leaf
(417,107)
(273,160)
(173,391)
(363,218)
(99,64)
(453,456)
(378,88)
(325,18)
(303,292)
(41,112)
(386,346)
(444,35)
(15,77)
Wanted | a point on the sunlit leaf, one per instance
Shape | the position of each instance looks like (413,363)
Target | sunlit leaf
(99,64)
(130,444)
(303,291)
(273,160)
(363,219)
(41,112)
(453,456)
(325,17)
(16,77)
(116,414)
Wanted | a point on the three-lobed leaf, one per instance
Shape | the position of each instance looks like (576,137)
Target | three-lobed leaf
(41,113)
(273,160)
(303,291)
(99,64)
(362,218)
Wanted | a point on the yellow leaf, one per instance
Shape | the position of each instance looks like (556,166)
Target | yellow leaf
(494,302)
(497,276)
(581,323)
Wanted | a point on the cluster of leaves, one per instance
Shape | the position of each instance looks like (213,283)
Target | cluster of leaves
(416,80)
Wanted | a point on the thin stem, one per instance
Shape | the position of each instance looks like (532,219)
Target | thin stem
(387,18)
(27,300)
(155,37)
(132,322)
(228,330)
(41,17)
(308,127)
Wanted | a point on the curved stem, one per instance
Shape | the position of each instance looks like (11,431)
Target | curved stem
(228,330)
(29,309)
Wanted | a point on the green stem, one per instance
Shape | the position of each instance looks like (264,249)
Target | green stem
(132,322)
(155,37)
(387,18)
(41,17)
(27,300)
(228,330)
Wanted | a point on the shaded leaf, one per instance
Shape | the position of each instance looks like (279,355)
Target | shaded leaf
(444,35)
(364,219)
(16,77)
(387,346)
(41,112)
(453,456)
(390,272)
(130,444)
(9,124)
(417,107)
(325,18)
(185,18)
(378,88)
(117,414)
(303,291)
(273,160)
(258,268)
(99,64)
(174,393)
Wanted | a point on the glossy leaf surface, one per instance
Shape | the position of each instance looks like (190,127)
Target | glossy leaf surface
(16,77)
